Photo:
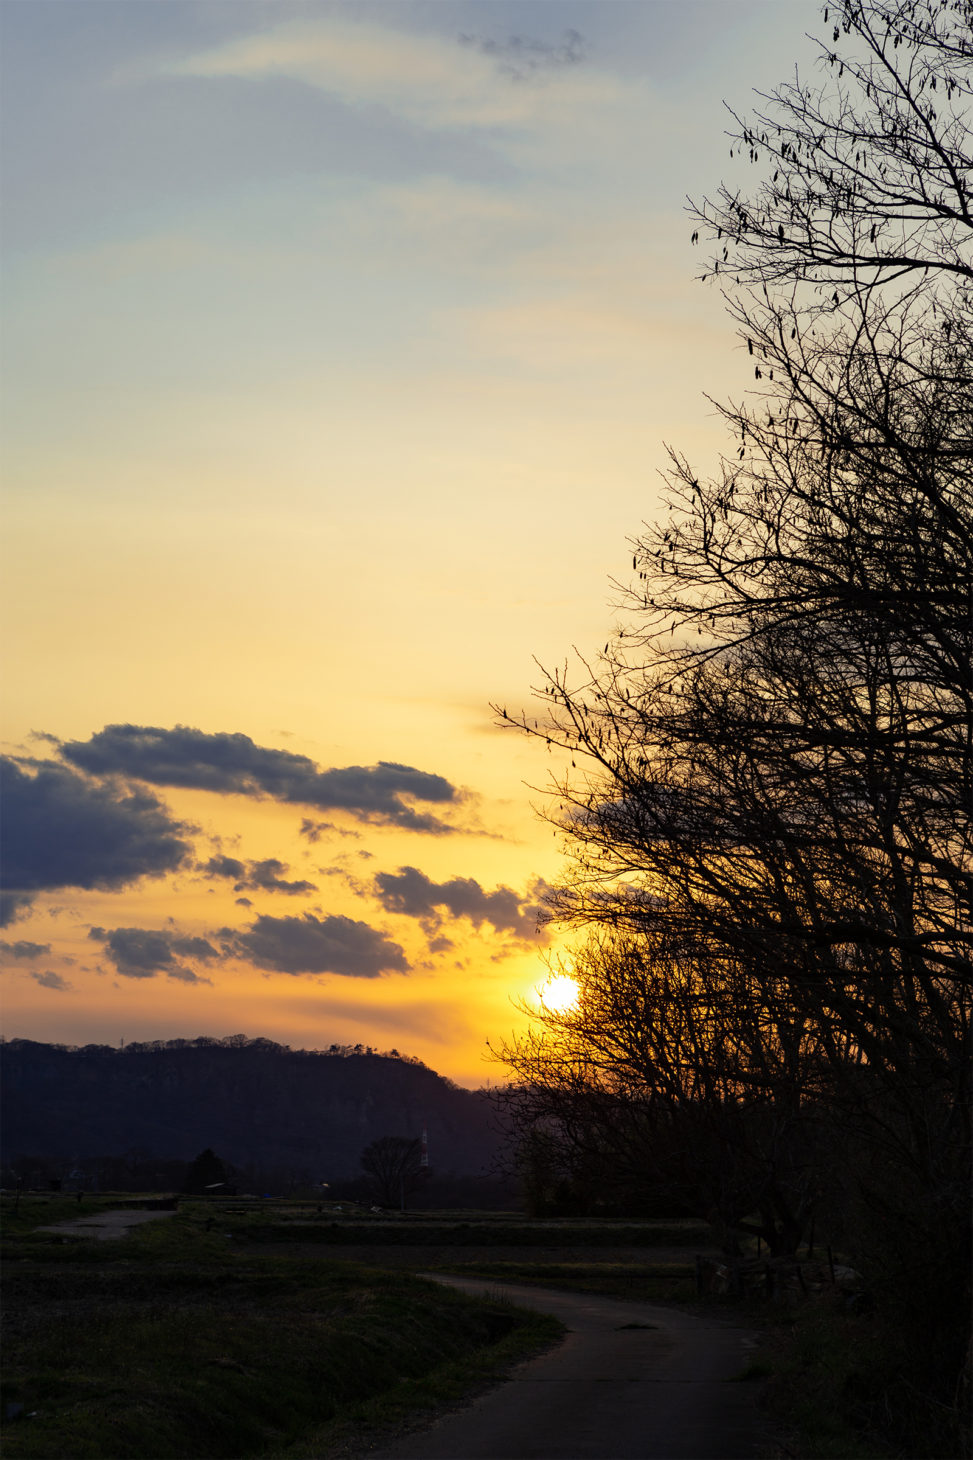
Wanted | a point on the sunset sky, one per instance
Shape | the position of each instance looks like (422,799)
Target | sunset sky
(341,342)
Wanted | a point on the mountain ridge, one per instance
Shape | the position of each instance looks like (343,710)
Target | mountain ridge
(262,1106)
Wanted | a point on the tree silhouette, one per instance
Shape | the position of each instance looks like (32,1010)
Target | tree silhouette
(205,1174)
(768,806)
(394,1167)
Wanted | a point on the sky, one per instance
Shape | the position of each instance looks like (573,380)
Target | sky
(341,344)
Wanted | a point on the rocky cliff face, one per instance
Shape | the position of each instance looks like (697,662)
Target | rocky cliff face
(260,1105)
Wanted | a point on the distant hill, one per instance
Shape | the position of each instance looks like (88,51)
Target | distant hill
(261,1106)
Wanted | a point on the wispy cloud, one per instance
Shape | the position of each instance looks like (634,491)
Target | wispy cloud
(51,980)
(263,876)
(22,948)
(433,81)
(524,58)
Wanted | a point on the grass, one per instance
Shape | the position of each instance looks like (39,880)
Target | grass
(661,1282)
(421,1231)
(170,1343)
(30,1211)
(190,1338)
(826,1370)
(842,1386)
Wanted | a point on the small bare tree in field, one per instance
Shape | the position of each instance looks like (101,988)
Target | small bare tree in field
(393,1165)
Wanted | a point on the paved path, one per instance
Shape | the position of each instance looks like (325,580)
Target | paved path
(104,1226)
(613,1390)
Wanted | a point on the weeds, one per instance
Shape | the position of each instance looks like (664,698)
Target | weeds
(665,1282)
(169,1344)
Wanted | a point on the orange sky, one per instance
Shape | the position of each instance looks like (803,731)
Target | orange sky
(342,342)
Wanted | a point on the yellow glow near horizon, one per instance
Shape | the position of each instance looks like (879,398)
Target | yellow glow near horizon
(328,439)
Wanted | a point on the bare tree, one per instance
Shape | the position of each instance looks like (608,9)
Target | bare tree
(772,765)
(779,743)
(672,1083)
(394,1167)
(871,178)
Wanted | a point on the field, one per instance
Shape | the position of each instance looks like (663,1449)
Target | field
(275,1329)
(180,1341)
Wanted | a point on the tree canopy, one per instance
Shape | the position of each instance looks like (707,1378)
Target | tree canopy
(393,1165)
(768,807)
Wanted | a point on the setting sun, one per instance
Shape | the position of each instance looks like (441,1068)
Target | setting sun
(559,994)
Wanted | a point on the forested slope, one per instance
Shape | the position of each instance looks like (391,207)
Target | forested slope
(261,1106)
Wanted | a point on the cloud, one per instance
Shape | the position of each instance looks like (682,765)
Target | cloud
(61,830)
(233,765)
(224,867)
(24,949)
(265,876)
(319,945)
(523,58)
(314,830)
(429,80)
(52,980)
(411,892)
(144,952)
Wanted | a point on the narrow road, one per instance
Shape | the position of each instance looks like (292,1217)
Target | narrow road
(631,1381)
(104,1226)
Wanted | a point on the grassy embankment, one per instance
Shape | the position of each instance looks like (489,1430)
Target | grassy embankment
(246,1330)
(175,1342)
(826,1368)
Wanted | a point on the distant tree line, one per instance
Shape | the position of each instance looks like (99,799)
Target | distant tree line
(233,1041)
(281,1117)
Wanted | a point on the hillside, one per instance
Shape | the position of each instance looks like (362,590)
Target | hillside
(261,1106)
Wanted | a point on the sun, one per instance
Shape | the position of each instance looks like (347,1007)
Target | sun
(559,995)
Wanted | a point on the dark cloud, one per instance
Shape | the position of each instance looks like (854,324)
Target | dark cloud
(524,58)
(52,980)
(441,944)
(233,764)
(224,867)
(411,892)
(314,830)
(23,949)
(265,876)
(144,952)
(319,945)
(61,830)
